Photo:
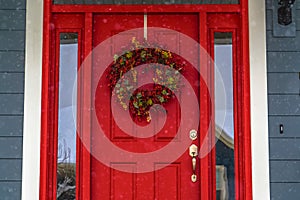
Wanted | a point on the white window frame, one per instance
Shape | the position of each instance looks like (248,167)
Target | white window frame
(33,88)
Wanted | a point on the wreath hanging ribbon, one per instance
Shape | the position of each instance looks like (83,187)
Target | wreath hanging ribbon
(165,82)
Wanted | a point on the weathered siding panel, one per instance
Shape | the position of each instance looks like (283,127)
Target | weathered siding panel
(285,149)
(283,43)
(12,61)
(12,4)
(12,37)
(283,83)
(284,104)
(11,104)
(11,125)
(10,170)
(283,61)
(12,19)
(284,191)
(10,190)
(12,40)
(285,171)
(11,82)
(284,109)
(11,147)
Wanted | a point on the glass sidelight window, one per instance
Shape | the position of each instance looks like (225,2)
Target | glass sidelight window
(66,147)
(224,116)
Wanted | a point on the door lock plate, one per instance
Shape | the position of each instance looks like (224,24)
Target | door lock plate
(193,150)
(193,134)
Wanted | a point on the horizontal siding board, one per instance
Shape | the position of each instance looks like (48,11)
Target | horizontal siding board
(11,104)
(283,43)
(11,126)
(283,83)
(10,190)
(283,61)
(10,147)
(284,149)
(12,19)
(10,169)
(284,104)
(285,191)
(285,171)
(12,4)
(12,61)
(11,82)
(291,126)
(12,40)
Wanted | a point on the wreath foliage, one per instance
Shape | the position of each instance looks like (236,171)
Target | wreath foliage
(165,81)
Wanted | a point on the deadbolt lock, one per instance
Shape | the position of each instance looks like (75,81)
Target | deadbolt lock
(193,134)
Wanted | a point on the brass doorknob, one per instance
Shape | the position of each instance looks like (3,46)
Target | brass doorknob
(193,154)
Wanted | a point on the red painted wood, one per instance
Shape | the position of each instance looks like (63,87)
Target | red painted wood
(204,108)
(241,98)
(246,189)
(212,179)
(146,187)
(227,28)
(50,104)
(84,118)
(45,169)
(146,8)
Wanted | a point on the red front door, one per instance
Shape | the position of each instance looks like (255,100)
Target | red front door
(145,161)
(141,105)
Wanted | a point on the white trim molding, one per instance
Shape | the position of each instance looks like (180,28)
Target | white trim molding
(32,100)
(259,101)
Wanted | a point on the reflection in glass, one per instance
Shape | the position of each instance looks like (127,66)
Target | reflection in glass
(66,148)
(224,127)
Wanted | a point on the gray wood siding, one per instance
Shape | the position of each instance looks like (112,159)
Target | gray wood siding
(283,62)
(12,37)
(285,191)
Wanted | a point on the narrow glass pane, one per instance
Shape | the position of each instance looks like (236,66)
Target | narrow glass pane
(224,116)
(128,2)
(66,149)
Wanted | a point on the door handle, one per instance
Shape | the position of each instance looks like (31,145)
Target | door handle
(194,164)
(193,154)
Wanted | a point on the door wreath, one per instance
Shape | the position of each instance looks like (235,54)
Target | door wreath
(166,82)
